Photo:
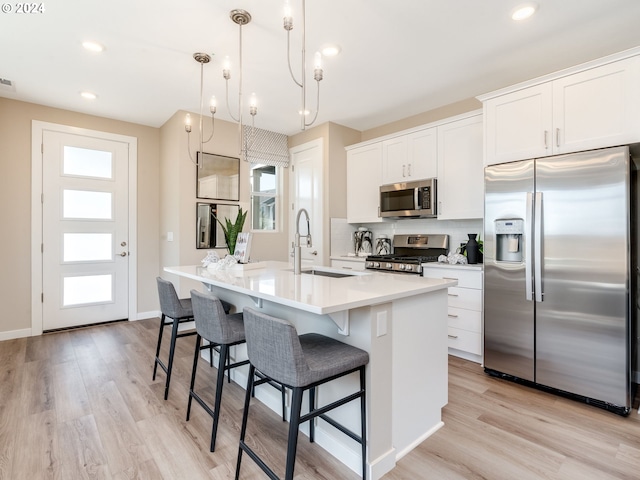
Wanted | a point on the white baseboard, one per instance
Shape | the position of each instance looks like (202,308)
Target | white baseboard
(11,334)
(146,315)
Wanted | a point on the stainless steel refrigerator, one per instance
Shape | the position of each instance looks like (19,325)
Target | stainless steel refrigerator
(558,286)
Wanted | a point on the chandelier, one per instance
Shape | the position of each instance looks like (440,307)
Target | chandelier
(317,69)
(239,17)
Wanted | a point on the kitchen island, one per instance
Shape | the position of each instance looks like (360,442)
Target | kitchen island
(400,319)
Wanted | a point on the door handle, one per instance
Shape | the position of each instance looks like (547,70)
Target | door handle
(537,274)
(123,254)
(315,252)
(528,244)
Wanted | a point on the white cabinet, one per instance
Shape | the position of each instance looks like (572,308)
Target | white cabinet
(410,157)
(464,310)
(460,169)
(347,263)
(364,177)
(592,108)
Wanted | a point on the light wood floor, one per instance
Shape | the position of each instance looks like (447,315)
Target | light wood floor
(81,404)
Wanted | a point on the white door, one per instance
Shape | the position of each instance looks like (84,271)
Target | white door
(306,192)
(85,247)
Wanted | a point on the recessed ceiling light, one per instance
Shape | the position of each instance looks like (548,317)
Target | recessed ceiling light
(93,46)
(330,50)
(88,95)
(523,12)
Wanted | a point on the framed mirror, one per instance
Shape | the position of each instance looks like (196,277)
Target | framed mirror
(209,234)
(206,225)
(218,177)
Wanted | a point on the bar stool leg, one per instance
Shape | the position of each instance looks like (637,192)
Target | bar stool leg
(172,348)
(155,365)
(222,363)
(312,406)
(245,415)
(193,374)
(363,419)
(294,424)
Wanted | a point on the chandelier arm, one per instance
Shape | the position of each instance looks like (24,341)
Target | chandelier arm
(212,129)
(228,107)
(317,106)
(289,59)
(189,150)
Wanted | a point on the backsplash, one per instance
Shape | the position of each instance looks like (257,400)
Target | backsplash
(458,230)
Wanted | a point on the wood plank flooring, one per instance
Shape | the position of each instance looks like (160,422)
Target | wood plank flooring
(80,404)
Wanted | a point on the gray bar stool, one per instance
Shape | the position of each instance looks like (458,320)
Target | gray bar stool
(174,311)
(301,363)
(221,330)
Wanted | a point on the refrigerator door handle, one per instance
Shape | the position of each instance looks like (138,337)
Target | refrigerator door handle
(528,286)
(538,248)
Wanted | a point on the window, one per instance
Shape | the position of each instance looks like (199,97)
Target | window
(265,181)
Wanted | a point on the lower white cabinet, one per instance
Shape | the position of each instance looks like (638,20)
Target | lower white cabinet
(465,309)
(348,264)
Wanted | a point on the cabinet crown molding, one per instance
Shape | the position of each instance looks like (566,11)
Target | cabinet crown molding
(632,52)
(400,133)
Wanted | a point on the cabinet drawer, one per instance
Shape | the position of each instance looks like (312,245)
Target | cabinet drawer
(465,278)
(469,320)
(469,298)
(464,340)
(348,264)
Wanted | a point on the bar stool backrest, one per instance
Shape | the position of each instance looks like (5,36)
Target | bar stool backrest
(211,320)
(170,304)
(274,348)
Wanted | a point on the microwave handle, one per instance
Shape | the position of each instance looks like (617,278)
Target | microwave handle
(416,199)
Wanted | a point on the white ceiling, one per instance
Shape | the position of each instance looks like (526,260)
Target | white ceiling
(399,58)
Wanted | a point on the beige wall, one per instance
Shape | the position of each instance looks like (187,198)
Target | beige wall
(434,115)
(15,204)
(178,197)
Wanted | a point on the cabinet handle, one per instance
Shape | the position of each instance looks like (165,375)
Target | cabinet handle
(439,208)
(452,336)
(557,137)
(403,170)
(451,315)
(409,170)
(546,141)
(450,278)
(348,268)
(452,294)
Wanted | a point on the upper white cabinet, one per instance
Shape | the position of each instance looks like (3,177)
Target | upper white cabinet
(364,177)
(409,157)
(577,110)
(460,169)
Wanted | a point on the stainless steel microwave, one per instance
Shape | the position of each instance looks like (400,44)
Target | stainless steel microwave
(409,199)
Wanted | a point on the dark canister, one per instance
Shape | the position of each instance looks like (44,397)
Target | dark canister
(472,248)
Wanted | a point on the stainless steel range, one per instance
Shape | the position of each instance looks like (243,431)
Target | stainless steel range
(409,253)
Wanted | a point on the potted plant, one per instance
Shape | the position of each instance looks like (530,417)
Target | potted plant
(231,230)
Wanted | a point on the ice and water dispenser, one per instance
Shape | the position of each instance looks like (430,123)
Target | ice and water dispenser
(509,240)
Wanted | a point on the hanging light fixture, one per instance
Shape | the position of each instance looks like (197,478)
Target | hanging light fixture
(239,17)
(317,69)
(201,58)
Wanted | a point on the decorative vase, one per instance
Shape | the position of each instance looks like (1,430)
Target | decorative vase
(472,248)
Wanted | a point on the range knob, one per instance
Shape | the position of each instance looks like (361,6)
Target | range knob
(376,264)
(389,266)
(402,266)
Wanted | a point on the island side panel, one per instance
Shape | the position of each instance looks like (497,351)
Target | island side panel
(420,368)
(363,334)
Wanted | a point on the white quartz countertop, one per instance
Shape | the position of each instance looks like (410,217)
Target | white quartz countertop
(277,283)
(475,266)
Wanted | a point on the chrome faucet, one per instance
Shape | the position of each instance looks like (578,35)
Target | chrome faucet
(297,261)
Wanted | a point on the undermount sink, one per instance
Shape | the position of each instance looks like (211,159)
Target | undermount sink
(324,273)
